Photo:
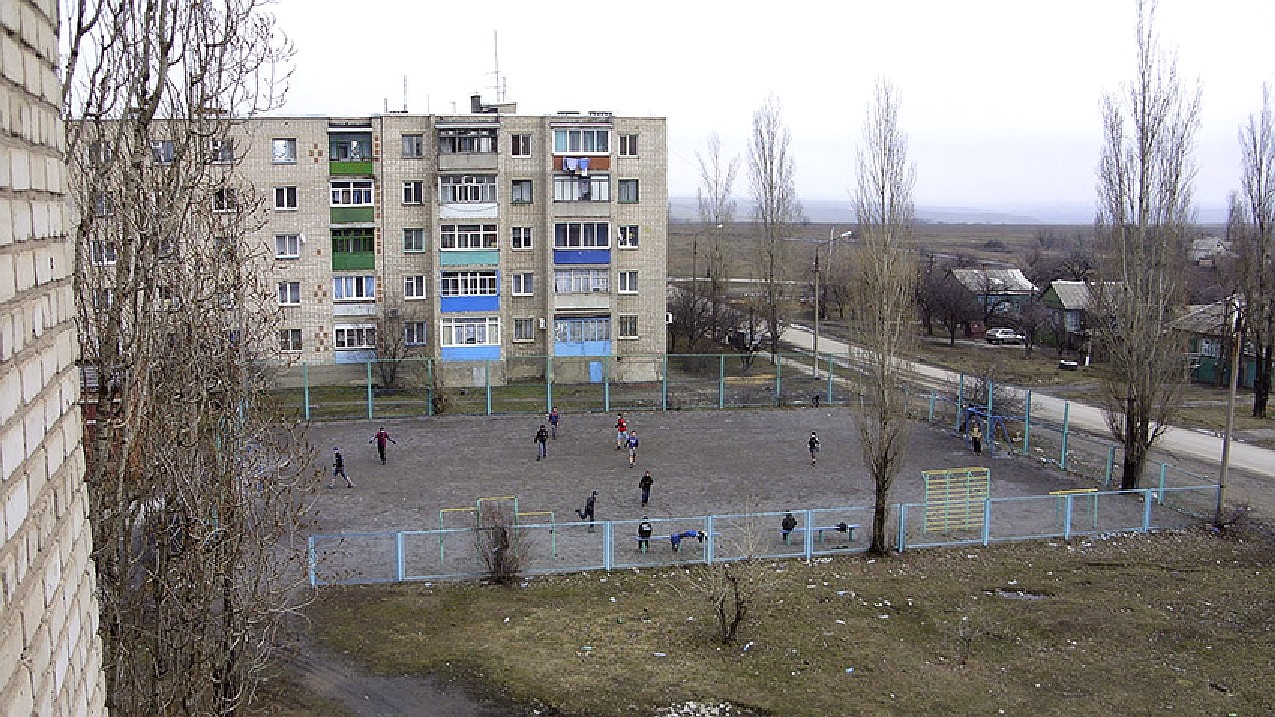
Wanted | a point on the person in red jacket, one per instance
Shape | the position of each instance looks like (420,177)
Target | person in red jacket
(621,432)
(382,437)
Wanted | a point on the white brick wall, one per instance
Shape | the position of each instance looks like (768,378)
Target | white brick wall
(50,655)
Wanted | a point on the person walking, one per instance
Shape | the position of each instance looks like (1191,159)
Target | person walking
(542,442)
(621,431)
(787,525)
(553,423)
(976,437)
(644,534)
(813,445)
(645,484)
(587,513)
(632,443)
(382,437)
(338,469)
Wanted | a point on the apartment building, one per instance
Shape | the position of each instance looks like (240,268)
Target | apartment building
(476,238)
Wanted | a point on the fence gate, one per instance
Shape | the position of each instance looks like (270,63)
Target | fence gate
(955,498)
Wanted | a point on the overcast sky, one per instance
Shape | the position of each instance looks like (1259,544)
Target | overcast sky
(1001,99)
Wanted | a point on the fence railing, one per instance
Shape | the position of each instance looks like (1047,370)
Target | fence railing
(413,555)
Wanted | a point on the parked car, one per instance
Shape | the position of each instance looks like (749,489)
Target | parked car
(1004,336)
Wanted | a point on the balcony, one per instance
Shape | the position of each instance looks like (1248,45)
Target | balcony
(353,215)
(350,168)
(342,261)
(591,300)
(469,160)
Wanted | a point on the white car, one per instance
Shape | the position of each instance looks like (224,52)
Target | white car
(1004,336)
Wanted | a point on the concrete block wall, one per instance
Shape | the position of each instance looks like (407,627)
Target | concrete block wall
(50,655)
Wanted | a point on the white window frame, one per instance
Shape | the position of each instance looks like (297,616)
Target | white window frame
(521,238)
(626,326)
(413,146)
(351,193)
(413,240)
(586,235)
(163,151)
(103,252)
(415,333)
(520,142)
(353,287)
(225,200)
(222,151)
(627,236)
(566,188)
(524,329)
(289,293)
(589,329)
(467,189)
(287,246)
(285,198)
(457,331)
(469,283)
(465,237)
(291,341)
(471,140)
(523,283)
(627,282)
(283,150)
(413,191)
(627,145)
(581,281)
(414,287)
(353,336)
(517,189)
(620,191)
(582,140)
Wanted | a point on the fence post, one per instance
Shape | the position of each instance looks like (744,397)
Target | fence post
(708,550)
(930,417)
(608,559)
(664,384)
(830,365)
(398,556)
(991,386)
(487,382)
(960,400)
(429,387)
(1164,468)
(606,385)
(1111,461)
(1062,458)
(305,387)
(721,380)
(369,390)
(311,558)
(809,535)
(548,383)
(1146,509)
(779,372)
(901,543)
(987,521)
(1067,517)
(1027,424)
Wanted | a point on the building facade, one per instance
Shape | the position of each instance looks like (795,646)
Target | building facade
(50,655)
(477,239)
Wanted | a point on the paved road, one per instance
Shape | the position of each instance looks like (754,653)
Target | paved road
(1200,447)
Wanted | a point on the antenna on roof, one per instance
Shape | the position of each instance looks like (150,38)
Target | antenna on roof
(404,94)
(499,85)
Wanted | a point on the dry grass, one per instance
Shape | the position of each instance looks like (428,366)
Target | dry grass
(1129,625)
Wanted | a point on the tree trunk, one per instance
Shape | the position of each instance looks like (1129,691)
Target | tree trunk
(1262,381)
(880,513)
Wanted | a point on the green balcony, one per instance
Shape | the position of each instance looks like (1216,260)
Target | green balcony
(350,168)
(353,260)
(353,215)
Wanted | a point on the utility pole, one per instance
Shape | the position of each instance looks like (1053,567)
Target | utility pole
(816,366)
(1236,347)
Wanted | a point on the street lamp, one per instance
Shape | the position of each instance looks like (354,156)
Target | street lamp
(832,239)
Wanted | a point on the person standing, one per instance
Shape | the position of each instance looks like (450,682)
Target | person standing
(645,484)
(621,431)
(787,525)
(542,442)
(338,469)
(976,437)
(632,443)
(382,437)
(813,445)
(553,423)
(644,534)
(587,513)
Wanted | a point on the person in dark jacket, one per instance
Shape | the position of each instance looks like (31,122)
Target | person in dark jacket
(338,469)
(644,534)
(542,442)
(645,484)
(677,538)
(587,512)
(813,445)
(382,437)
(787,525)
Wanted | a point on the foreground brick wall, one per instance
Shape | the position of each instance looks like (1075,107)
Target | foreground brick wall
(50,656)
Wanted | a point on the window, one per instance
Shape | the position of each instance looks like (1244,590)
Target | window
(521,191)
(413,146)
(283,151)
(163,151)
(354,337)
(628,237)
(627,191)
(103,204)
(414,287)
(520,145)
(567,188)
(100,154)
(289,293)
(349,147)
(628,145)
(627,326)
(569,235)
(520,238)
(628,282)
(524,284)
(467,188)
(413,240)
(353,241)
(290,340)
(583,141)
(413,191)
(224,200)
(466,141)
(285,198)
(353,288)
(469,236)
(468,332)
(524,329)
(353,193)
(581,281)
(469,283)
(414,332)
(287,246)
(103,299)
(577,330)
(102,252)
(222,151)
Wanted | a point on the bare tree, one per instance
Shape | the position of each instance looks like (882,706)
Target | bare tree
(717,213)
(882,314)
(1144,209)
(770,168)
(1252,227)
(196,489)
(946,300)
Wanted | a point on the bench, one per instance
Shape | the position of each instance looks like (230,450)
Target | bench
(644,542)
(846,528)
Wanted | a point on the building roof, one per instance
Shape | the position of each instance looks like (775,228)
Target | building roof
(1071,295)
(1204,319)
(994,281)
(1208,247)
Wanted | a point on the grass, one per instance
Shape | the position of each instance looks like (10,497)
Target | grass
(1129,625)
